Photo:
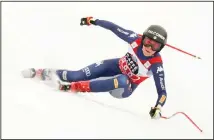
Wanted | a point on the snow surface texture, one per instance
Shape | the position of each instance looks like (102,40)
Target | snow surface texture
(49,35)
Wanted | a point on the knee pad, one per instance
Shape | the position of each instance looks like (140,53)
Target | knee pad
(124,89)
(120,93)
(123,81)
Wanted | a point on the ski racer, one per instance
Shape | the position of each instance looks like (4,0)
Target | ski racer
(118,76)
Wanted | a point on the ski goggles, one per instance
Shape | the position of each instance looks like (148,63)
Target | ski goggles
(147,42)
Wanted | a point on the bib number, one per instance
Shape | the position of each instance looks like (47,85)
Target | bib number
(132,63)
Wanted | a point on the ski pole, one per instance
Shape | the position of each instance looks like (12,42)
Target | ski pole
(183,51)
(185,116)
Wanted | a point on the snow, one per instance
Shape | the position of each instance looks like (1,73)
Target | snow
(48,34)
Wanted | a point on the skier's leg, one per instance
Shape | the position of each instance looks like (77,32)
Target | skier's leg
(123,92)
(102,69)
(118,86)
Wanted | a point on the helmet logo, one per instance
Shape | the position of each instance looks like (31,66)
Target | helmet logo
(156,34)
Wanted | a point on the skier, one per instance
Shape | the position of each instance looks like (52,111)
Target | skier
(118,76)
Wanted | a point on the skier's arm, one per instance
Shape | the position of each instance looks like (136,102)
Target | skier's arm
(159,78)
(126,35)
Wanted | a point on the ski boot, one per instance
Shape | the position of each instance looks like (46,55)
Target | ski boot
(81,86)
(43,74)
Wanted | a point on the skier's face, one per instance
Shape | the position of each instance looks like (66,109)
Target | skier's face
(150,46)
(147,51)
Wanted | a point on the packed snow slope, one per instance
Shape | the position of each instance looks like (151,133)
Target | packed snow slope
(48,34)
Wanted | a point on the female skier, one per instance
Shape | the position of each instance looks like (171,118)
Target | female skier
(118,76)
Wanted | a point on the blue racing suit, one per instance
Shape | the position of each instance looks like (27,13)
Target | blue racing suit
(106,75)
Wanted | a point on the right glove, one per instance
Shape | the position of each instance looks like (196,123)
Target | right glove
(87,21)
(155,113)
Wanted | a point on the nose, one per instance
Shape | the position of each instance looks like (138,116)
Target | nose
(149,48)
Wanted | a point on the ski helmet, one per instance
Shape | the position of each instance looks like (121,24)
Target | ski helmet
(156,33)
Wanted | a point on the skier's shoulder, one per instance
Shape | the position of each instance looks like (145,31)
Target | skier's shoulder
(156,63)
(156,59)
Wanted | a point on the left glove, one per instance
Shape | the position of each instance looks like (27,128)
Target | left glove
(155,113)
(87,21)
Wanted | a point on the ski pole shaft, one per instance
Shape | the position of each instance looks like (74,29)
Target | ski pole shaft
(183,51)
(164,117)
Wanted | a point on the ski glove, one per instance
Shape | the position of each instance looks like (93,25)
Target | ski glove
(87,21)
(155,113)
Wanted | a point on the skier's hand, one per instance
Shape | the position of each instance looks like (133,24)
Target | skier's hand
(87,21)
(155,113)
